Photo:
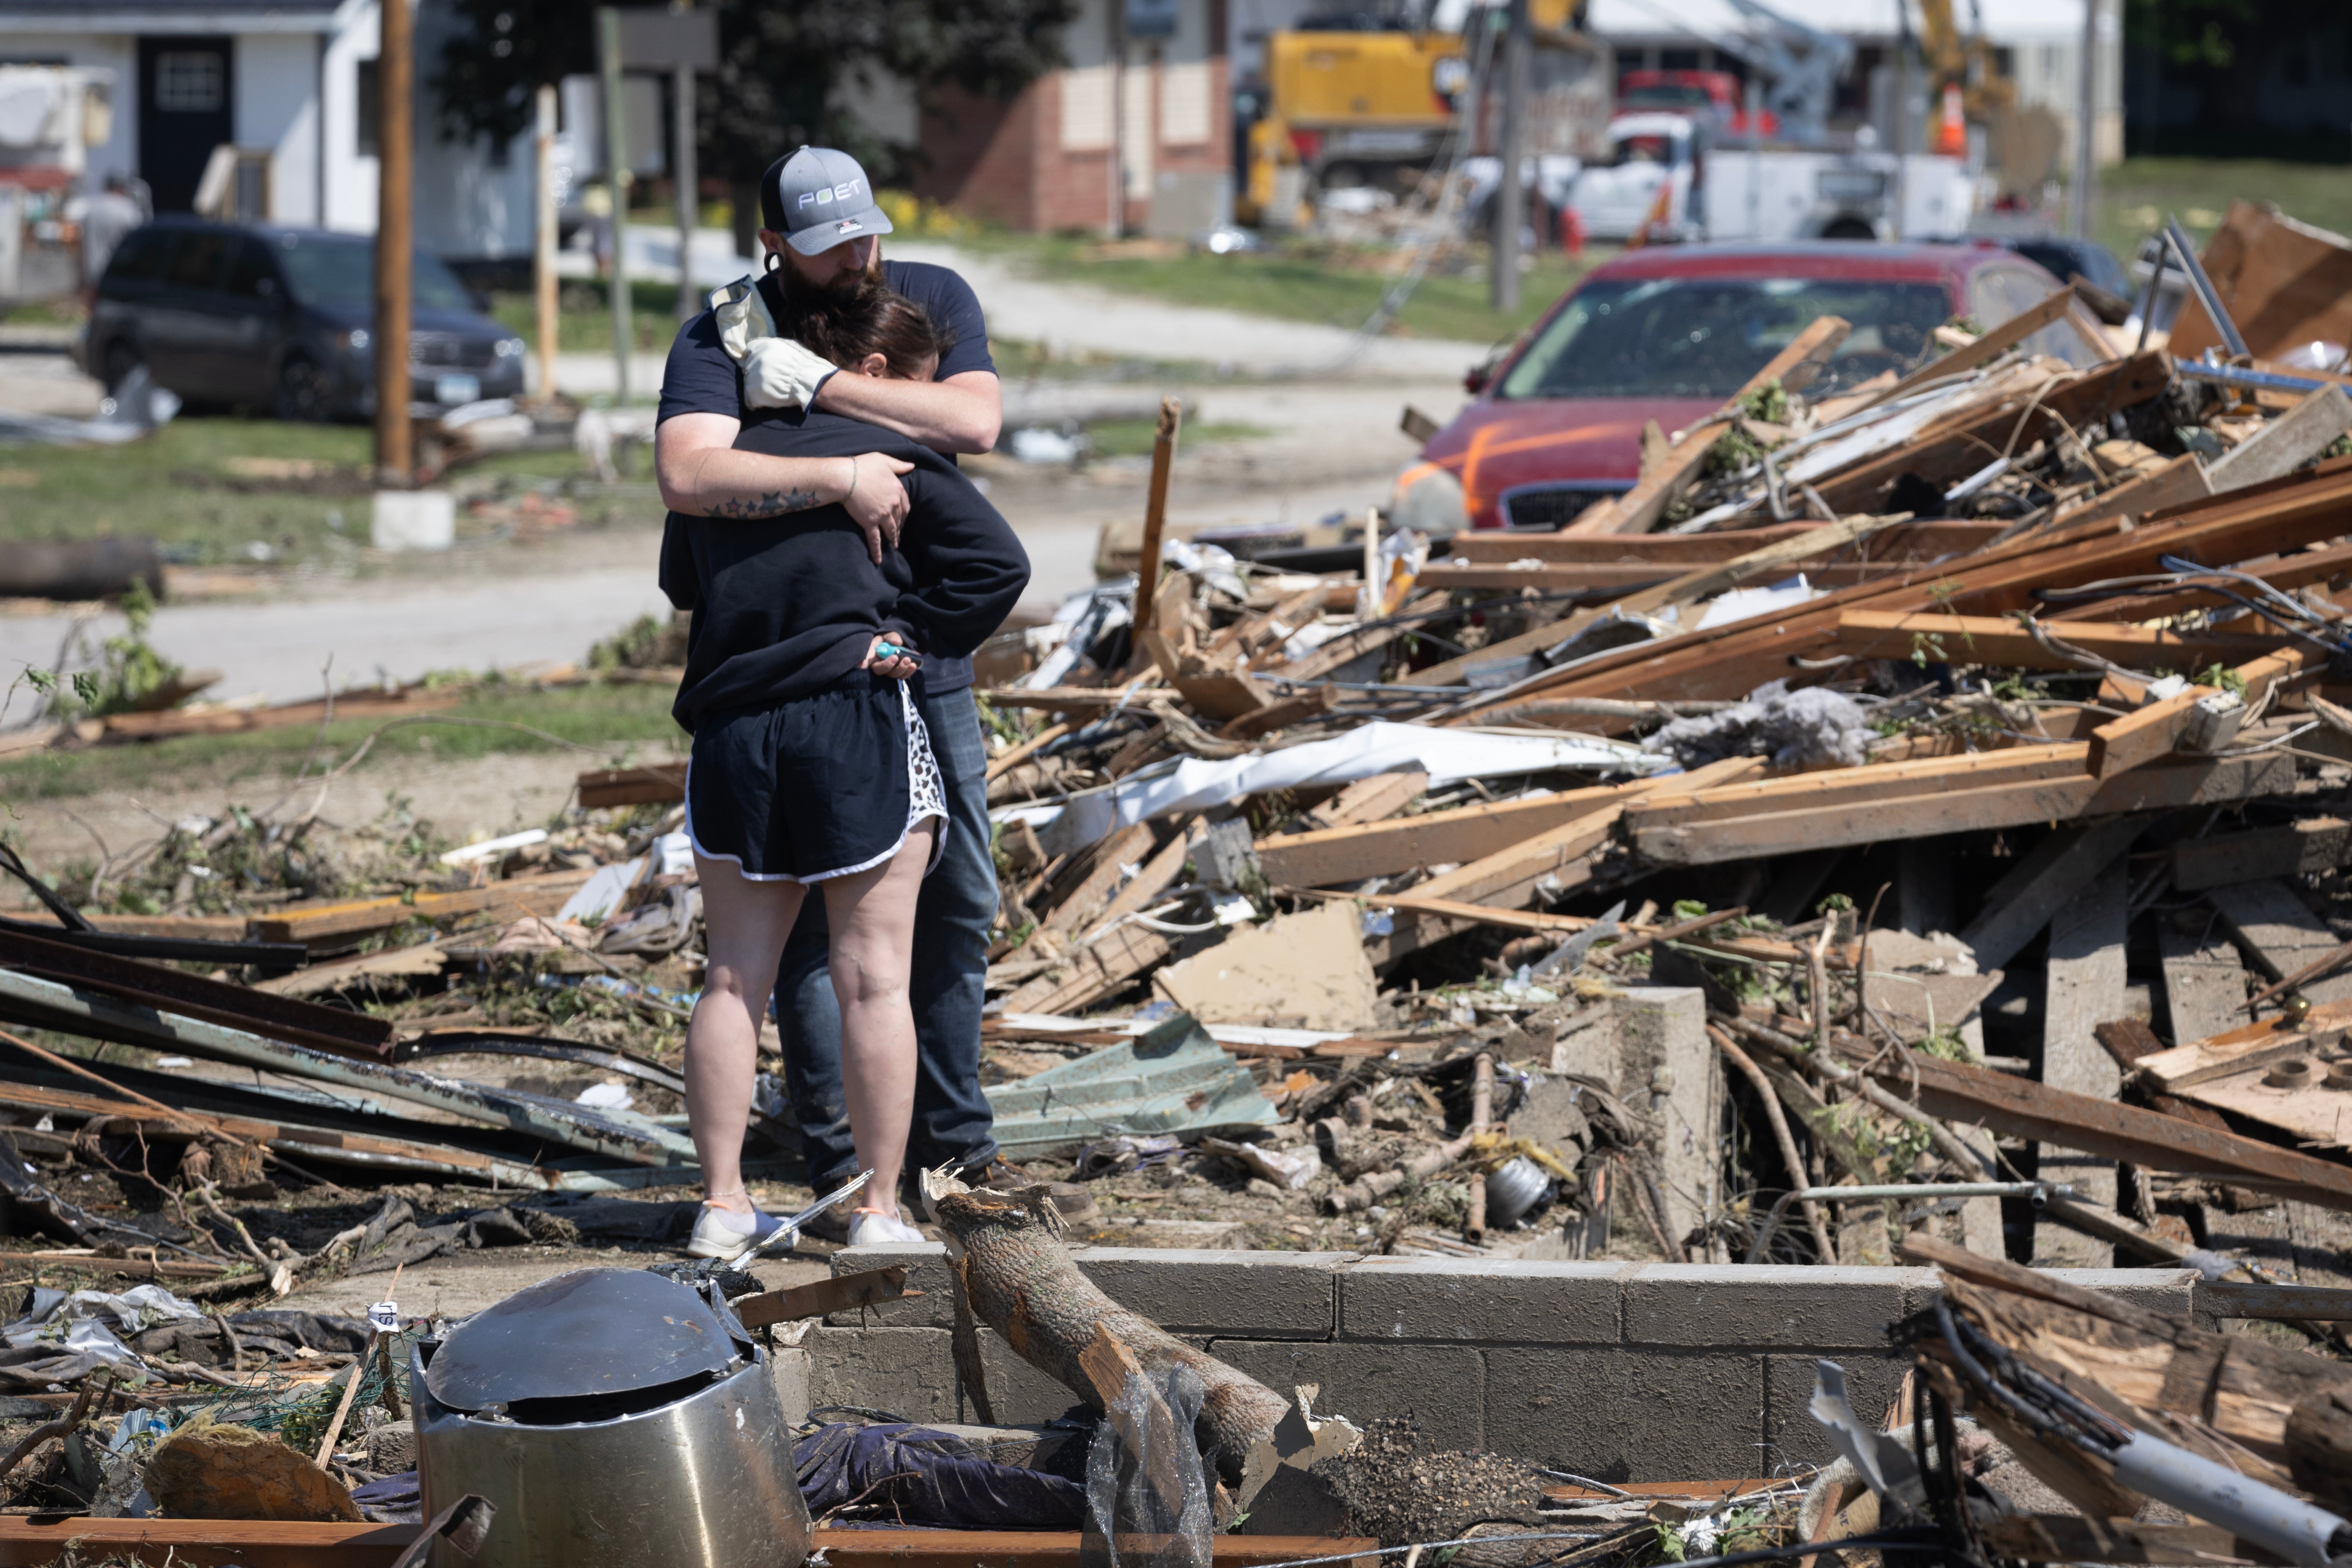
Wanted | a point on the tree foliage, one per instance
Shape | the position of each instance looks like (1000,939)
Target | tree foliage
(789,70)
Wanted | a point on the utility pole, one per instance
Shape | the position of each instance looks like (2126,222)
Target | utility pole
(1510,196)
(543,247)
(1115,216)
(616,180)
(689,192)
(2087,119)
(394,242)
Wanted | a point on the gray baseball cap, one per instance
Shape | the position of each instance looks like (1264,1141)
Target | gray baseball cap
(817,198)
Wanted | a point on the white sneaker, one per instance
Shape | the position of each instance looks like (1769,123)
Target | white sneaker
(723,1233)
(871,1227)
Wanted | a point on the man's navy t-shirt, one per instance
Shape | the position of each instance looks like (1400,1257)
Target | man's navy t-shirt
(703,378)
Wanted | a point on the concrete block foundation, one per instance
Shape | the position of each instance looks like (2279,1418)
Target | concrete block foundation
(1621,1371)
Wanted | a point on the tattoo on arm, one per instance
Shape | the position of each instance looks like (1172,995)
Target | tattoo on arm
(774,503)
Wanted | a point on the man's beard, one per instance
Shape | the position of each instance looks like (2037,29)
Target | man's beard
(840,289)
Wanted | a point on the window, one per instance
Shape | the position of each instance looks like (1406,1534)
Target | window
(342,272)
(191,81)
(140,259)
(254,274)
(1703,337)
(371,108)
(198,260)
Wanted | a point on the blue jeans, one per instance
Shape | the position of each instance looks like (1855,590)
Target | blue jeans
(958,904)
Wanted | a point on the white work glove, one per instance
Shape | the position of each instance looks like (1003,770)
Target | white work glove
(780,374)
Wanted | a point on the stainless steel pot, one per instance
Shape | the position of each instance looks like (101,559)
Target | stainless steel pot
(675,1473)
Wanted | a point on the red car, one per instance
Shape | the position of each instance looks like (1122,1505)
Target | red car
(1668,333)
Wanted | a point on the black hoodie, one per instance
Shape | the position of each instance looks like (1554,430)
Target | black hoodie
(787,605)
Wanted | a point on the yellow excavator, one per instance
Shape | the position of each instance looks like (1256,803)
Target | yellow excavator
(1348,104)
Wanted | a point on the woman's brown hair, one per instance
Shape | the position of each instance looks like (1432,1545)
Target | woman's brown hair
(870,321)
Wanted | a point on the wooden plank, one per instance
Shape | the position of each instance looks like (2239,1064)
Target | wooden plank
(1995,342)
(1730,661)
(1371,799)
(2301,849)
(822,1298)
(1326,858)
(2282,282)
(659,784)
(42,1541)
(1220,694)
(2279,934)
(2083,988)
(2040,884)
(1105,965)
(2156,730)
(2286,442)
(1352,645)
(241,721)
(1491,546)
(517,896)
(177,928)
(1455,908)
(1076,908)
(1940,639)
(2181,781)
(1948,453)
(424,959)
(1606,582)
(2179,481)
(1639,509)
(2277,1303)
(1877,782)
(2204,982)
(2109,1128)
(1494,656)
(1086,701)
(1164,866)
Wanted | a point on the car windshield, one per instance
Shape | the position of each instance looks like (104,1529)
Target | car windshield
(342,272)
(1704,337)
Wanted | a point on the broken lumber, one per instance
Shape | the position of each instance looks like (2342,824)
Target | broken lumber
(2161,728)
(1639,510)
(1326,858)
(659,784)
(1930,637)
(328,920)
(822,1298)
(2301,849)
(1990,346)
(2023,1109)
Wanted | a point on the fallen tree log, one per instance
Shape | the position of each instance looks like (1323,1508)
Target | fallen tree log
(1021,1283)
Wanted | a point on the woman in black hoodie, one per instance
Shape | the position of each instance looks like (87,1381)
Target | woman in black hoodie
(811,764)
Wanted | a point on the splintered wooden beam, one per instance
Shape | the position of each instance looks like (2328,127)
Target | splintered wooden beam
(540,895)
(2156,730)
(1930,637)
(2109,1128)
(2299,849)
(1324,857)
(662,783)
(2175,781)
(822,1298)
(1639,509)
(1996,342)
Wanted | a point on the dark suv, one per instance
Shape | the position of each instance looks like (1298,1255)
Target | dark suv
(281,319)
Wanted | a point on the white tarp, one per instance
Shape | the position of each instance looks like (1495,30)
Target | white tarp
(1448,756)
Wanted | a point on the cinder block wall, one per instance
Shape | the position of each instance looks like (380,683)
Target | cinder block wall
(1621,1372)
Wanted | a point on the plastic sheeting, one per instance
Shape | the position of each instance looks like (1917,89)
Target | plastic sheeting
(922,1475)
(1448,756)
(1147,1493)
(67,1337)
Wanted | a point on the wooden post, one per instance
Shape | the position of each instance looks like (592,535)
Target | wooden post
(1155,516)
(1368,604)
(544,243)
(1482,1119)
(394,243)
(616,180)
(689,196)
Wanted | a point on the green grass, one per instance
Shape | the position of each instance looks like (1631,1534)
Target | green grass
(178,486)
(1134,437)
(1302,281)
(2134,196)
(617,722)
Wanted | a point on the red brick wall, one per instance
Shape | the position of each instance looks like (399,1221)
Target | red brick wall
(1006,161)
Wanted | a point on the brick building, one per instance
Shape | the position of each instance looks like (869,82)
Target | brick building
(1134,135)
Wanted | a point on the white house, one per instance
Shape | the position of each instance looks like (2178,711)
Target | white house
(293,78)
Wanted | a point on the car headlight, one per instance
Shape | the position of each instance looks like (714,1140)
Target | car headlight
(356,338)
(510,348)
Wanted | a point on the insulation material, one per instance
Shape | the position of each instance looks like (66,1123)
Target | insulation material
(1808,729)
